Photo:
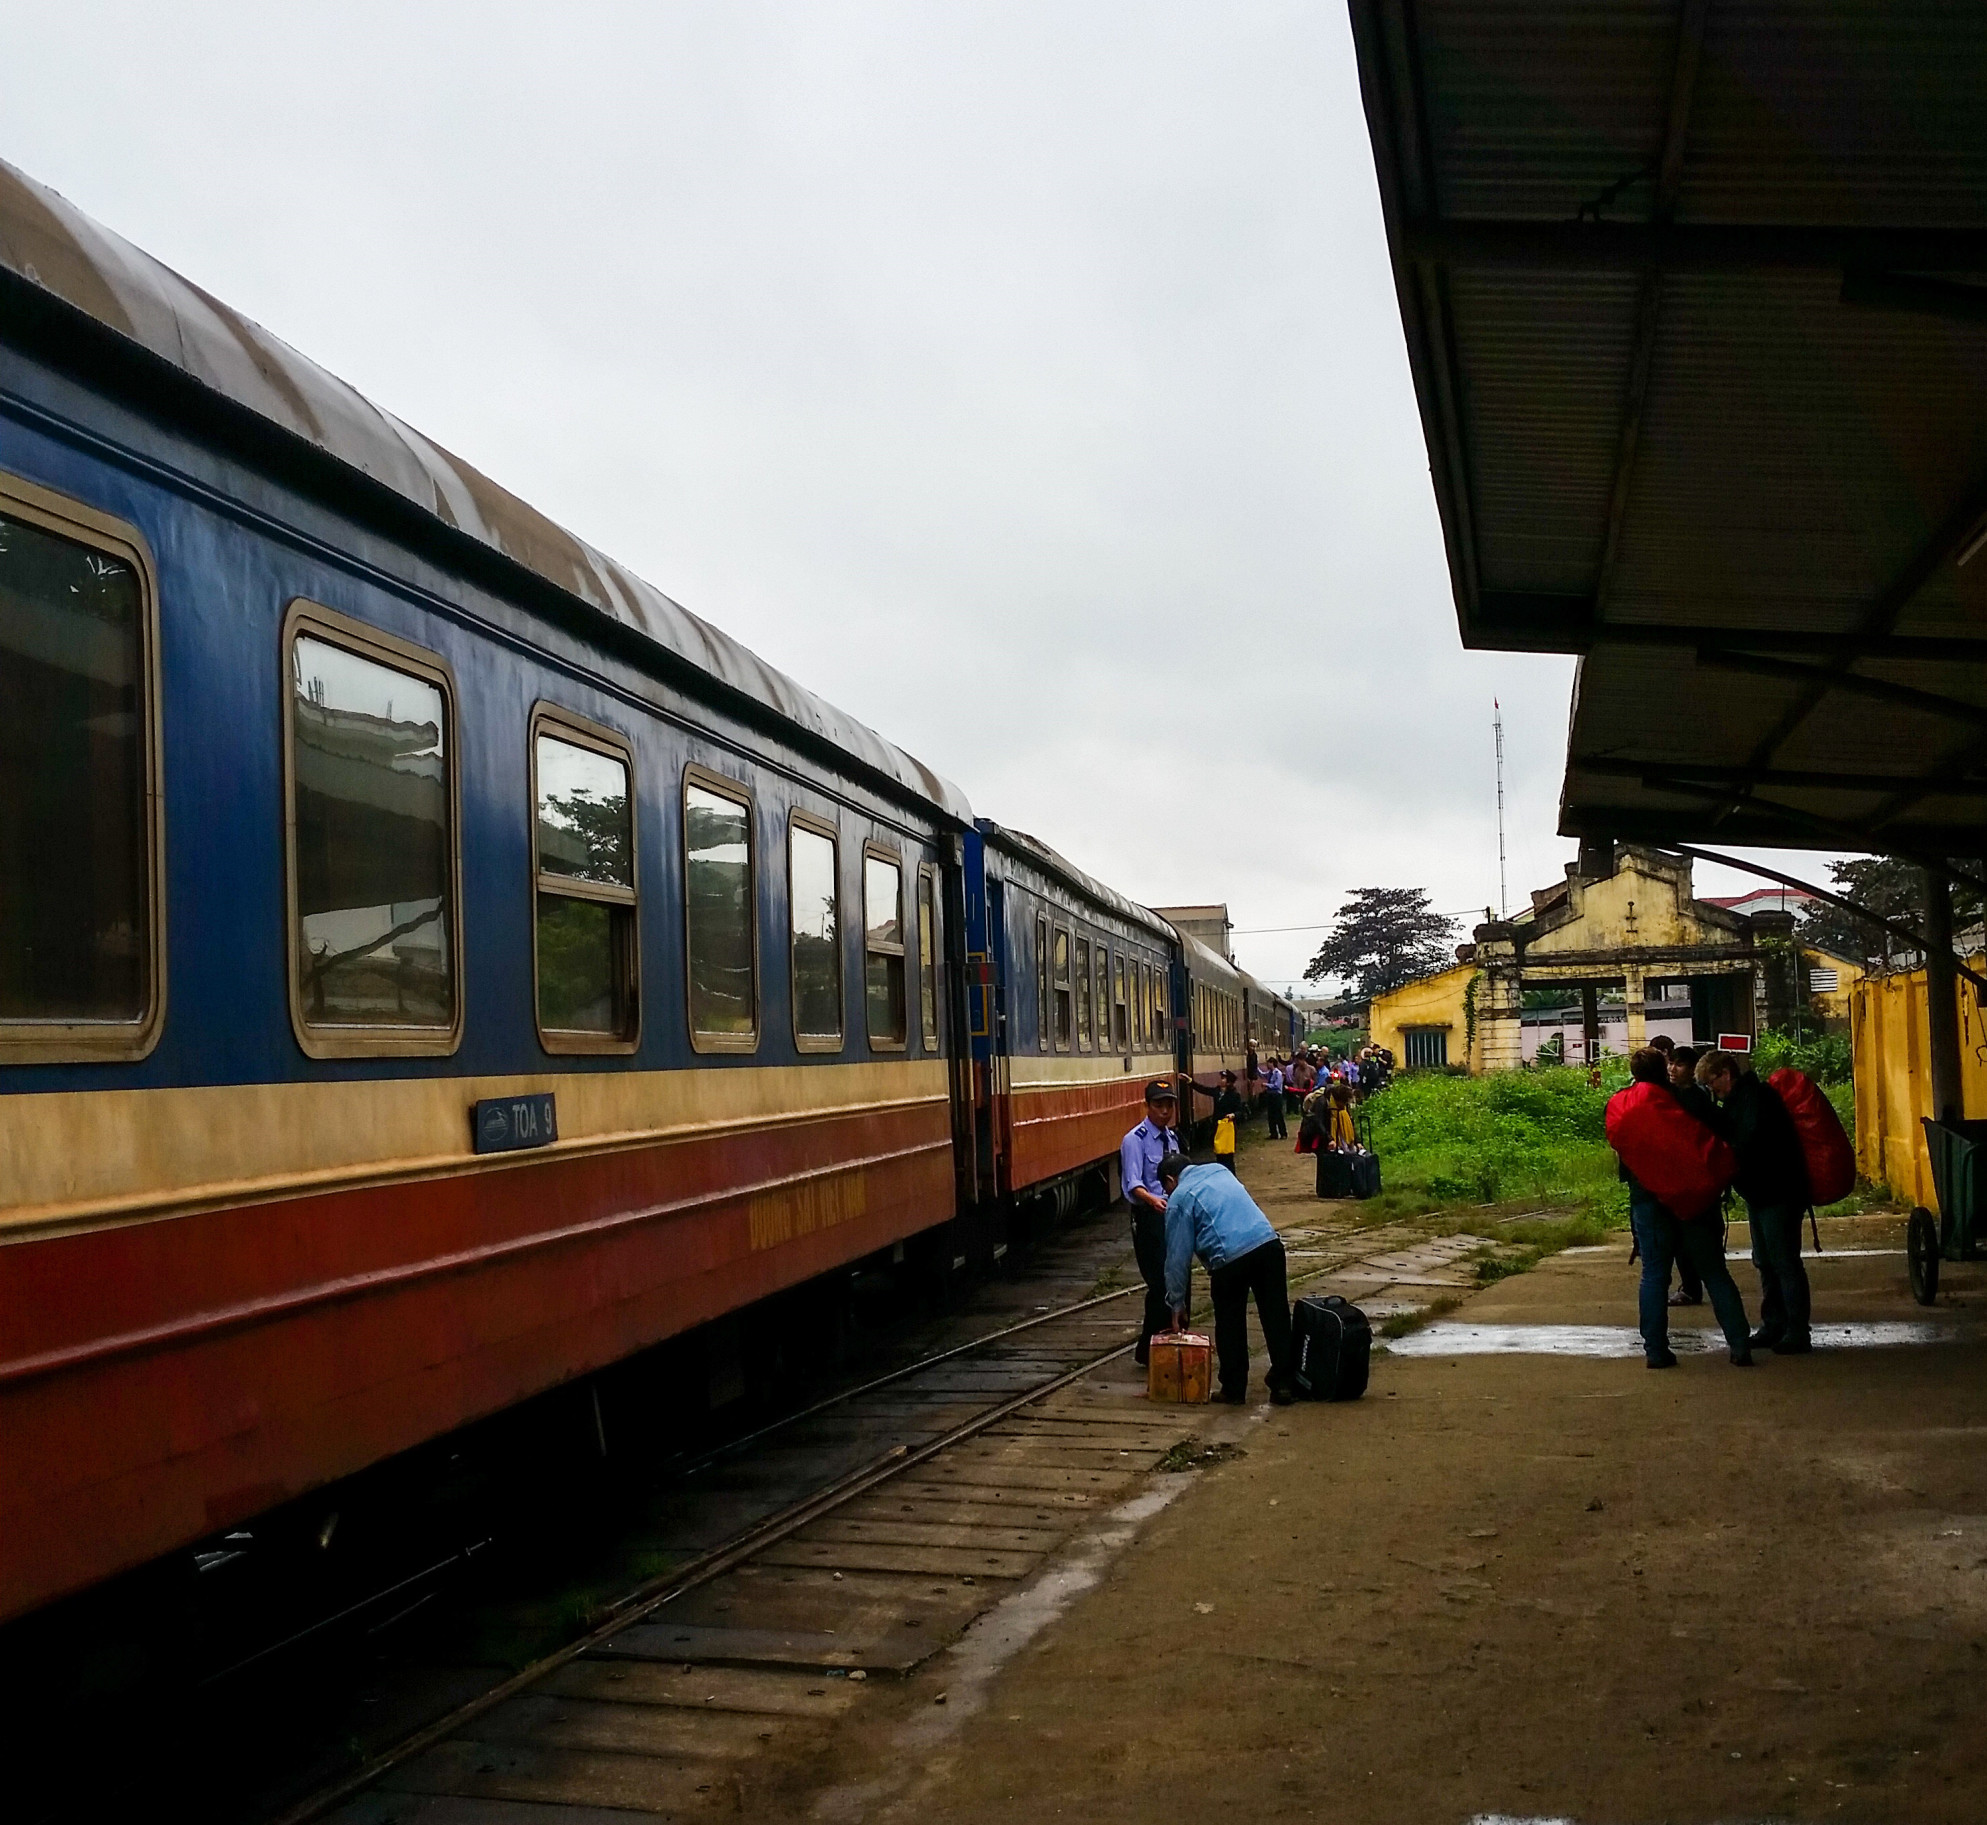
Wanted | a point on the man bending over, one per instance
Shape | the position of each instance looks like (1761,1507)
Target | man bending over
(1210,1215)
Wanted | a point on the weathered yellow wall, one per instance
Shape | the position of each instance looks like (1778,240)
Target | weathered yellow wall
(1633,906)
(1889,1034)
(1837,1006)
(1432,1001)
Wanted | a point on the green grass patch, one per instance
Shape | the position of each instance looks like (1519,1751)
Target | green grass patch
(1401,1323)
(1510,1138)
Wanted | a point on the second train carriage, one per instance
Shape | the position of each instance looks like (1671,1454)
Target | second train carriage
(1071,1019)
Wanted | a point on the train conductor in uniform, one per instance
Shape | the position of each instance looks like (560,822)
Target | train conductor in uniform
(1139,1155)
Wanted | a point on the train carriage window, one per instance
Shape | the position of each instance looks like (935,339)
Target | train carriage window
(1065,1001)
(1083,994)
(1120,1006)
(814,906)
(720,905)
(1041,984)
(79,963)
(585,929)
(374,928)
(1103,999)
(928,952)
(883,948)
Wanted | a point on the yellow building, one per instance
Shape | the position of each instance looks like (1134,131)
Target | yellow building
(1624,925)
(1426,1023)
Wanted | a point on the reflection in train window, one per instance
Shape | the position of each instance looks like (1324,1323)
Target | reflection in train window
(720,931)
(1059,971)
(928,949)
(1083,994)
(584,830)
(77,969)
(372,845)
(883,949)
(1041,984)
(814,902)
(1121,1007)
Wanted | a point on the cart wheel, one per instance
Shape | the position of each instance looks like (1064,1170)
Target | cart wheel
(1921,1245)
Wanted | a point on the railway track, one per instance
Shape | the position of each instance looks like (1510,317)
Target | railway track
(719,1681)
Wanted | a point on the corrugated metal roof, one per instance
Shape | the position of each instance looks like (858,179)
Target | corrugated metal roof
(49,243)
(1763,443)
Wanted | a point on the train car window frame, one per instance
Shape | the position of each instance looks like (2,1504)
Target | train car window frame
(1120,1007)
(1079,972)
(312,620)
(897,952)
(807,822)
(560,724)
(1103,996)
(720,785)
(931,955)
(1062,996)
(67,1041)
(1041,982)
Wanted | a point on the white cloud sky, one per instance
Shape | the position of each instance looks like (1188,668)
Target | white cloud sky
(1024,378)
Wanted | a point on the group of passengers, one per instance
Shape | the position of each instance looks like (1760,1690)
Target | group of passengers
(1182,1210)
(1720,1091)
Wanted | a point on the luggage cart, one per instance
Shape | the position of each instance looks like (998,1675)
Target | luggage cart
(1959,1178)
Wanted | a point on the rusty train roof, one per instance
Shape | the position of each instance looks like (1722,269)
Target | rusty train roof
(47,242)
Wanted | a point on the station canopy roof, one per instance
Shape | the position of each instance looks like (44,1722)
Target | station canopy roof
(1695,295)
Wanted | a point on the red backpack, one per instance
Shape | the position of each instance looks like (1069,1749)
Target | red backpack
(1675,1157)
(1831,1160)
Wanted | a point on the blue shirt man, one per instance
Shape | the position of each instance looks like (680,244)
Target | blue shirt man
(1209,1214)
(1140,1155)
(1276,1078)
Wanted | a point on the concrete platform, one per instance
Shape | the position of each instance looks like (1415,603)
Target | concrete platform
(1522,1585)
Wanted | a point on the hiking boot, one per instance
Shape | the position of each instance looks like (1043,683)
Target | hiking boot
(1742,1358)
(1279,1395)
(1662,1359)
(1763,1339)
(1793,1346)
(1239,1398)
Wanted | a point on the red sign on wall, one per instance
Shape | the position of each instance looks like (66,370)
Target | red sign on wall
(1735,1042)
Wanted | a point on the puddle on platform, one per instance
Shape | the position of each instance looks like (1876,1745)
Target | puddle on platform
(1608,1340)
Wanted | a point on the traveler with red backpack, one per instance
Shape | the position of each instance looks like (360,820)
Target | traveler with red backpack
(1677,1171)
(1772,1177)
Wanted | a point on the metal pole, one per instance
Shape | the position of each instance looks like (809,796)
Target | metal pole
(1942,997)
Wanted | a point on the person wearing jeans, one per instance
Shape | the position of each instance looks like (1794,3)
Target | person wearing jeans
(1209,1215)
(1666,1240)
(1773,1180)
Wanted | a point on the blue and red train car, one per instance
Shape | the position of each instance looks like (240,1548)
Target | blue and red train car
(434,965)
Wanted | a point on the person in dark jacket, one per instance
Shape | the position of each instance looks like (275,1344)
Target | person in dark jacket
(1773,1180)
(1228,1102)
(1662,1237)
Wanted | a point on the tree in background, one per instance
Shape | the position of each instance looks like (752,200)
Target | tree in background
(1892,888)
(1382,937)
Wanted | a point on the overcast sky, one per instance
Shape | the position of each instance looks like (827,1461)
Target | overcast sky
(1024,378)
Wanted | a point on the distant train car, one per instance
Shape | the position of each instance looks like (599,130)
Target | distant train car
(1071,1020)
(433,965)
(1213,994)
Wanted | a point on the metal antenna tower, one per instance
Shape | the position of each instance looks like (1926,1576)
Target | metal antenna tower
(1497,727)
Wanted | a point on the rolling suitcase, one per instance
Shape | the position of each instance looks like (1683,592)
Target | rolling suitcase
(1365,1169)
(1334,1346)
(1334,1173)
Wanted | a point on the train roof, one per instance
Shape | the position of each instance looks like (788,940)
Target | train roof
(48,244)
(1204,960)
(1033,849)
